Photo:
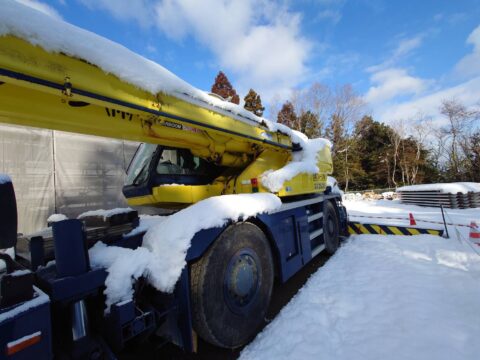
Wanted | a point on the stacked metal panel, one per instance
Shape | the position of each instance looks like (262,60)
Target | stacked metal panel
(435,198)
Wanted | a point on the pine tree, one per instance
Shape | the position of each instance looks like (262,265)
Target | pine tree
(287,116)
(473,156)
(223,88)
(309,124)
(374,148)
(253,103)
(336,131)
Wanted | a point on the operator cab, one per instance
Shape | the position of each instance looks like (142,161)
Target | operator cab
(154,165)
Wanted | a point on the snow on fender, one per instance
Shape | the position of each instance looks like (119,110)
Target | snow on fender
(170,240)
(161,258)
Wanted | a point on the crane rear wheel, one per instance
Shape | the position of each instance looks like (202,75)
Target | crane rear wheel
(331,229)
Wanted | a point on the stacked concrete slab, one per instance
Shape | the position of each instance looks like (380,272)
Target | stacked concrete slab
(451,195)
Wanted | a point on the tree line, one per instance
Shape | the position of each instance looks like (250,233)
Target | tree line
(370,154)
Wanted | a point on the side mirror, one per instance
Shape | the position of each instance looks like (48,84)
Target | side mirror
(8,214)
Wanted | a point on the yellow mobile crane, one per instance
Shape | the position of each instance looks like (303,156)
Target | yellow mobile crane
(192,150)
(207,150)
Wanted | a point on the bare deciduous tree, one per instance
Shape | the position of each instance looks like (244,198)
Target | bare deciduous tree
(459,119)
(316,99)
(337,110)
(347,109)
(396,137)
(421,130)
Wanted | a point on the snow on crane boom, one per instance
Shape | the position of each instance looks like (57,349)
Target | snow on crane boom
(56,91)
(207,146)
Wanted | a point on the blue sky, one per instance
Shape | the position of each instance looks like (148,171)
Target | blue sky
(402,57)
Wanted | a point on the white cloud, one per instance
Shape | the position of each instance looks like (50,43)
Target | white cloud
(333,15)
(330,2)
(428,105)
(456,18)
(257,42)
(403,49)
(406,46)
(391,83)
(42,7)
(328,10)
(470,64)
(138,10)
(212,22)
(151,49)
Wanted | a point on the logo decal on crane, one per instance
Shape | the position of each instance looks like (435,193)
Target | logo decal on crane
(125,115)
(173,125)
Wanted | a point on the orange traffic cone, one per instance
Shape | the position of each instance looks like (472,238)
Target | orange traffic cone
(474,233)
(412,220)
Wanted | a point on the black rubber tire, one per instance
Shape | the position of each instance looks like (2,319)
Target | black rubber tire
(213,319)
(331,228)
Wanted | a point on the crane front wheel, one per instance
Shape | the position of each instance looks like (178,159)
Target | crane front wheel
(231,286)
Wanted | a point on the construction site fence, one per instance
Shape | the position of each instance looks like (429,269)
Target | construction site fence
(405,218)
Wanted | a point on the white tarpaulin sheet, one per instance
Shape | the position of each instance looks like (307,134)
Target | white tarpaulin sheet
(58,172)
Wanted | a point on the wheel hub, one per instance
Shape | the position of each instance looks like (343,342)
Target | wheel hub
(241,280)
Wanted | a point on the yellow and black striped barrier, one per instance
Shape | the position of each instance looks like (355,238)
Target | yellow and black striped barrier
(359,228)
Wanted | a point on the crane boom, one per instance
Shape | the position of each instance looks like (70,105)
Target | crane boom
(56,91)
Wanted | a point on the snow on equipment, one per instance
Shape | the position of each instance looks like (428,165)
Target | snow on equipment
(196,149)
(24,309)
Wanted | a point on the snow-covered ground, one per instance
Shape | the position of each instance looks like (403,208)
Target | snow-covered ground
(385,297)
